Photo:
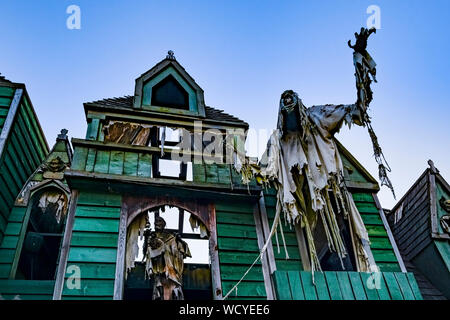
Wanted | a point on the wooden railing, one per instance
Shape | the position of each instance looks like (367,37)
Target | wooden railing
(341,285)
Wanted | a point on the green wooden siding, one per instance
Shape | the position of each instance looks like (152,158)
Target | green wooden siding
(215,173)
(8,246)
(93,247)
(294,262)
(379,242)
(24,151)
(238,248)
(6,96)
(26,289)
(331,285)
(112,162)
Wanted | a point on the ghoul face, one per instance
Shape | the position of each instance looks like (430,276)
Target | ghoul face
(160,224)
(288,100)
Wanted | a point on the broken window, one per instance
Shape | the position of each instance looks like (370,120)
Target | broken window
(41,245)
(328,258)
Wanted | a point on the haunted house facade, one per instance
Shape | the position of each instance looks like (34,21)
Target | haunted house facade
(93,198)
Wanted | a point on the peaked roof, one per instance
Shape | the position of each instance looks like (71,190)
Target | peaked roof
(126,102)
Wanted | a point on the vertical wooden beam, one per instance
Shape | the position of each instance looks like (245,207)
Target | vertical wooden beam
(7,125)
(214,254)
(270,291)
(266,230)
(302,247)
(390,235)
(120,258)
(432,196)
(64,253)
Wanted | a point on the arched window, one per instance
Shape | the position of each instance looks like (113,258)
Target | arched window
(196,279)
(47,210)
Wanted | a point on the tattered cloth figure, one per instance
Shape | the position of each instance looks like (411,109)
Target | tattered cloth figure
(303,164)
(164,253)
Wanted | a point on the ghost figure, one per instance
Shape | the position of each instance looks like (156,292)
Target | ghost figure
(303,163)
(164,253)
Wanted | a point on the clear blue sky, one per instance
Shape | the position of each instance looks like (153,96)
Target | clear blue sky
(244,54)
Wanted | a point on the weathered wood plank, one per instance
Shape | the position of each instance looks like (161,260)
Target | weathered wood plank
(295,285)
(282,285)
(321,286)
(333,285)
(344,284)
(116,162)
(83,254)
(357,286)
(308,285)
(392,285)
(371,292)
(130,164)
(91,287)
(403,283)
(90,239)
(102,161)
(144,165)
(94,270)
(97,212)
(96,225)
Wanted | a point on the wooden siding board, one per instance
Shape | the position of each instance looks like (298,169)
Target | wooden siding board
(357,286)
(321,286)
(282,286)
(131,164)
(333,285)
(295,285)
(238,249)
(344,284)
(371,293)
(79,158)
(117,162)
(392,285)
(85,254)
(308,285)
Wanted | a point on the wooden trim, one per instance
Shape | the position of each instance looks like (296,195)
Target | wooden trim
(433,200)
(216,279)
(24,227)
(302,247)
(390,235)
(23,231)
(147,116)
(270,290)
(266,230)
(361,185)
(356,163)
(219,189)
(7,125)
(64,253)
(121,251)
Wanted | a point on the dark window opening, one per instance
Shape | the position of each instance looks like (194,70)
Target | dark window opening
(169,93)
(329,260)
(42,242)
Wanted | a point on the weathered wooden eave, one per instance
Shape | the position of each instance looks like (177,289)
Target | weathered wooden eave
(371,184)
(140,185)
(148,116)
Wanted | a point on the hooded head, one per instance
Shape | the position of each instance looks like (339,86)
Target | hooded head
(292,113)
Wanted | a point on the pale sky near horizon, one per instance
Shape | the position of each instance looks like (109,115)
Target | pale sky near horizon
(244,54)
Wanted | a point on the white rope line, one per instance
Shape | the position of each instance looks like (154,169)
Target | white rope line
(263,249)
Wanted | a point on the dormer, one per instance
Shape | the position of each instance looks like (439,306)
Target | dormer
(168,88)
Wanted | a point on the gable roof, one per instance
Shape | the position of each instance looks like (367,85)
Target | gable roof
(126,103)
